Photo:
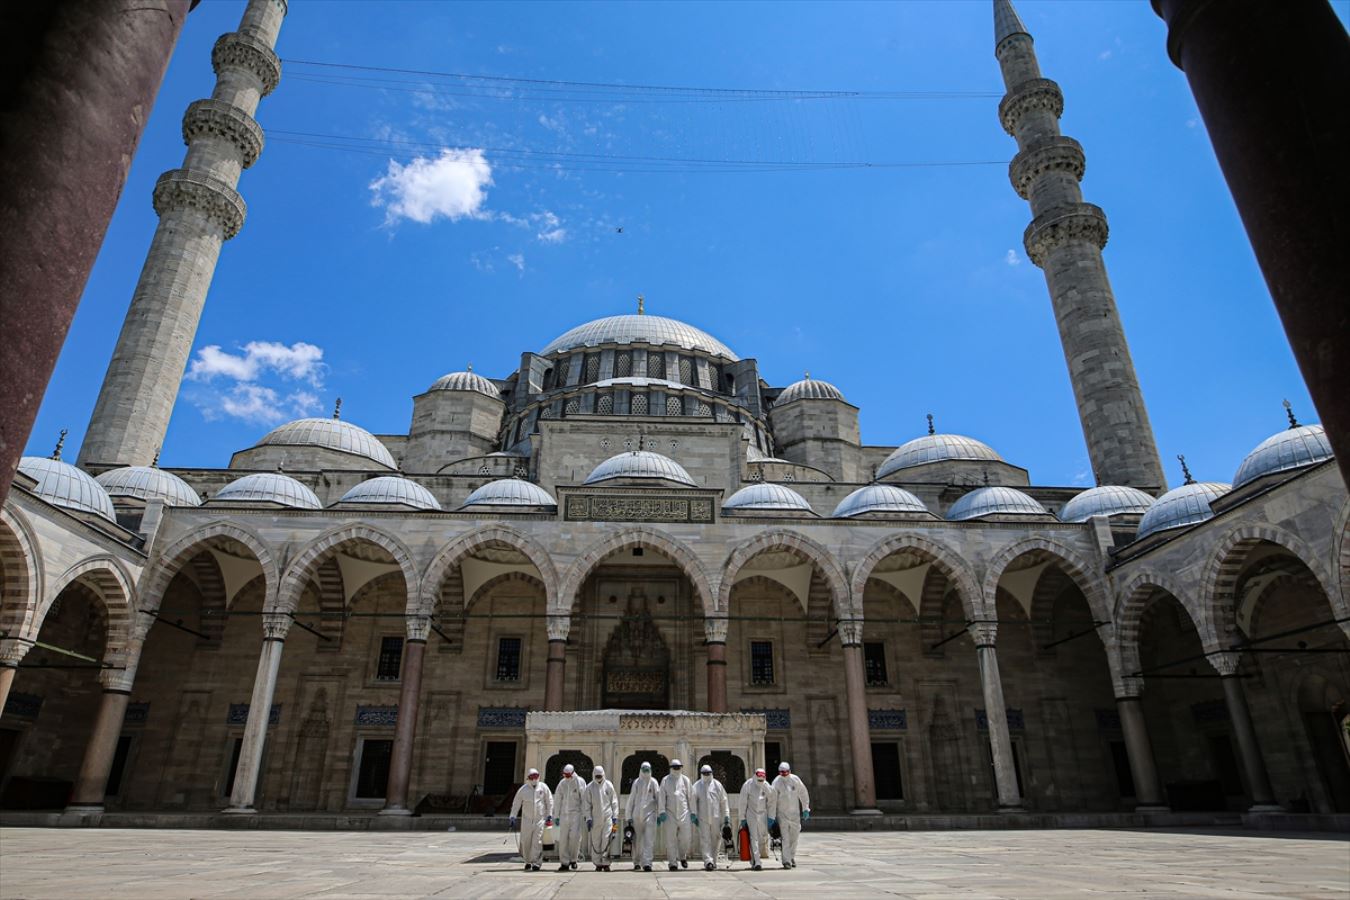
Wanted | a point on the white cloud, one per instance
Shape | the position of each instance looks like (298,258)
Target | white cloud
(1192,123)
(1012,259)
(517,260)
(452,186)
(1104,55)
(300,362)
(236,390)
(555,236)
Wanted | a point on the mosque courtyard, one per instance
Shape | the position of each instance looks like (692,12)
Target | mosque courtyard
(110,863)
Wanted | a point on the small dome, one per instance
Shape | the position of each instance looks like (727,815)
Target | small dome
(392,490)
(809,389)
(466,381)
(994,501)
(510,492)
(269,487)
(1185,505)
(1292,448)
(331,434)
(880,498)
(936,448)
(656,330)
(640,464)
(1107,500)
(61,484)
(149,483)
(767,496)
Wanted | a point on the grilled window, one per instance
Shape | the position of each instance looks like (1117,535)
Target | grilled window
(761,662)
(623,365)
(639,404)
(686,370)
(704,409)
(573,407)
(592,368)
(674,406)
(656,364)
(874,663)
(604,406)
(390,661)
(564,369)
(508,659)
(546,412)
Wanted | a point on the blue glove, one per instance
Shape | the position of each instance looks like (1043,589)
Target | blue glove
(773,822)
(614,821)
(589,823)
(512,823)
(693,818)
(806,815)
(661,819)
(726,820)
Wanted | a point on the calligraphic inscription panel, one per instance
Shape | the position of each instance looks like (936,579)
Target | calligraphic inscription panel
(616,508)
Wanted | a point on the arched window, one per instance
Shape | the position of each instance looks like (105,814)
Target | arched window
(573,406)
(604,406)
(592,368)
(686,370)
(660,768)
(704,409)
(580,761)
(727,767)
(548,379)
(656,364)
(639,404)
(674,406)
(623,365)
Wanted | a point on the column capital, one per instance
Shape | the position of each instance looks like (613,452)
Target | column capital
(1128,688)
(983,634)
(559,626)
(1056,227)
(224,120)
(275,626)
(1051,154)
(185,189)
(715,629)
(851,632)
(12,650)
(237,50)
(122,663)
(1226,663)
(418,627)
(1038,94)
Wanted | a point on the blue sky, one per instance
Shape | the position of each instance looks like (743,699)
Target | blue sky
(905,286)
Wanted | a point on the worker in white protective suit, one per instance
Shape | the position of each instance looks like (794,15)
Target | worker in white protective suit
(791,807)
(756,798)
(533,810)
(644,805)
(676,797)
(710,814)
(569,815)
(600,805)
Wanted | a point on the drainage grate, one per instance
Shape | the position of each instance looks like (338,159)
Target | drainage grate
(495,858)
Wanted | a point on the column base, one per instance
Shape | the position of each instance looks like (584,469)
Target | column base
(239,811)
(82,809)
(864,812)
(1011,810)
(395,811)
(1152,809)
(1265,808)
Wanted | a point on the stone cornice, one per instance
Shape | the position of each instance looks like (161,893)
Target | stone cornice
(237,50)
(221,119)
(1039,94)
(1055,154)
(1056,227)
(185,189)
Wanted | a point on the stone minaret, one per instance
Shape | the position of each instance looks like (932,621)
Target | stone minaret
(199,210)
(1065,239)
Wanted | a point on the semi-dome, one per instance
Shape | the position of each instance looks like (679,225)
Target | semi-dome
(1186,505)
(510,492)
(766,496)
(994,501)
(330,434)
(936,448)
(269,487)
(149,483)
(466,381)
(1292,448)
(392,490)
(639,329)
(878,498)
(61,484)
(640,464)
(809,389)
(1106,500)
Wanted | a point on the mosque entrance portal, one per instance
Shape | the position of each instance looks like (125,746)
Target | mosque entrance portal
(636,668)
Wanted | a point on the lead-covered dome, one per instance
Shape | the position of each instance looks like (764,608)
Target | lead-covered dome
(1292,448)
(878,498)
(767,497)
(330,434)
(466,381)
(149,483)
(640,464)
(639,329)
(809,389)
(61,484)
(936,448)
(269,487)
(510,492)
(1186,505)
(1107,500)
(994,501)
(392,490)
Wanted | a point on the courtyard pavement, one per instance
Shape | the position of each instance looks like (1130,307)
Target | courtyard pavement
(111,863)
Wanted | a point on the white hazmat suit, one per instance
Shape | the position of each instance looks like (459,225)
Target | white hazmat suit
(710,812)
(791,805)
(756,799)
(600,804)
(644,805)
(676,797)
(533,806)
(569,817)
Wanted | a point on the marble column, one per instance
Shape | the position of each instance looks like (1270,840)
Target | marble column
(715,637)
(405,731)
(996,715)
(275,626)
(11,652)
(1249,751)
(859,729)
(99,753)
(554,679)
(1148,791)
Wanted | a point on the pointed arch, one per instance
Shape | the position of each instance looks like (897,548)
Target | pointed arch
(155,580)
(449,556)
(21,591)
(504,578)
(1131,602)
(109,581)
(943,558)
(1082,572)
(671,547)
(302,569)
(802,546)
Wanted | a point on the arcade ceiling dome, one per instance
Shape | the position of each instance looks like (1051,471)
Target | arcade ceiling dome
(330,434)
(640,464)
(1186,505)
(639,329)
(392,490)
(269,487)
(767,496)
(510,492)
(466,381)
(1107,500)
(61,484)
(149,483)
(878,498)
(936,448)
(1292,448)
(994,501)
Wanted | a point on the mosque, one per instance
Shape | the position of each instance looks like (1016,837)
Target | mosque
(337,621)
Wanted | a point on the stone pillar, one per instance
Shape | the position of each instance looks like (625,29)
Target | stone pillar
(199,210)
(405,731)
(859,729)
(92,782)
(1249,751)
(715,637)
(996,714)
(1147,787)
(554,679)
(275,626)
(11,652)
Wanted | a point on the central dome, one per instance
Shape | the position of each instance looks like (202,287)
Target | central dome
(656,330)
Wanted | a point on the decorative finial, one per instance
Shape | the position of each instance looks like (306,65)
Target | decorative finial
(1289,411)
(469,367)
(337,409)
(930,424)
(806,375)
(60,442)
(1185,470)
(154,463)
(642,305)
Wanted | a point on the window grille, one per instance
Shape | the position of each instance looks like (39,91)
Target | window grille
(656,364)
(604,406)
(639,404)
(564,369)
(592,368)
(508,659)
(546,412)
(761,662)
(704,409)
(573,407)
(686,370)
(624,365)
(674,406)
(390,661)
(874,663)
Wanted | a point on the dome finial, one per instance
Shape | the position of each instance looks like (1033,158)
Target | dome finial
(642,305)
(930,424)
(1185,470)
(806,376)
(60,442)
(1289,411)
(154,463)
(469,367)
(337,409)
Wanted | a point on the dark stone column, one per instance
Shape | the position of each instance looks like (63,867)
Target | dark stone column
(1253,764)
(554,676)
(1147,787)
(405,732)
(92,781)
(859,729)
(715,631)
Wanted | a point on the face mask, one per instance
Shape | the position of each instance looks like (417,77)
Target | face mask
(599,778)
(707,777)
(759,777)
